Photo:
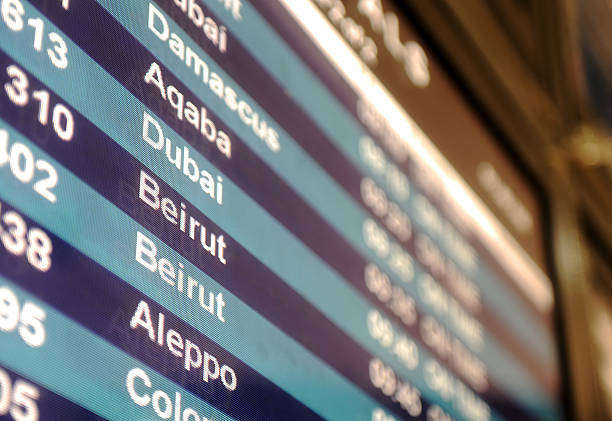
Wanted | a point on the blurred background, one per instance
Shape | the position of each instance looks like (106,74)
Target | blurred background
(538,73)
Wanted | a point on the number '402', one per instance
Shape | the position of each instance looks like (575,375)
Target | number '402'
(25,167)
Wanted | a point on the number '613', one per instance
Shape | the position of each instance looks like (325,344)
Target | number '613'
(13,13)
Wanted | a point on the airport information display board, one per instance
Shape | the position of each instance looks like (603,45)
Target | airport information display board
(215,210)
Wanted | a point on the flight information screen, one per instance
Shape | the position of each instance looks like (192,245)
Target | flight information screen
(223,210)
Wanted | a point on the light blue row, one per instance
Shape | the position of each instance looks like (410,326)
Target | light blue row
(296,79)
(120,125)
(313,184)
(85,369)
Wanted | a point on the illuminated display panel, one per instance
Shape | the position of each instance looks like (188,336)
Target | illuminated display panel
(216,210)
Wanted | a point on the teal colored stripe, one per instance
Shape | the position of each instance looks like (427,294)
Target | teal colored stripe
(120,126)
(90,223)
(85,369)
(344,214)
